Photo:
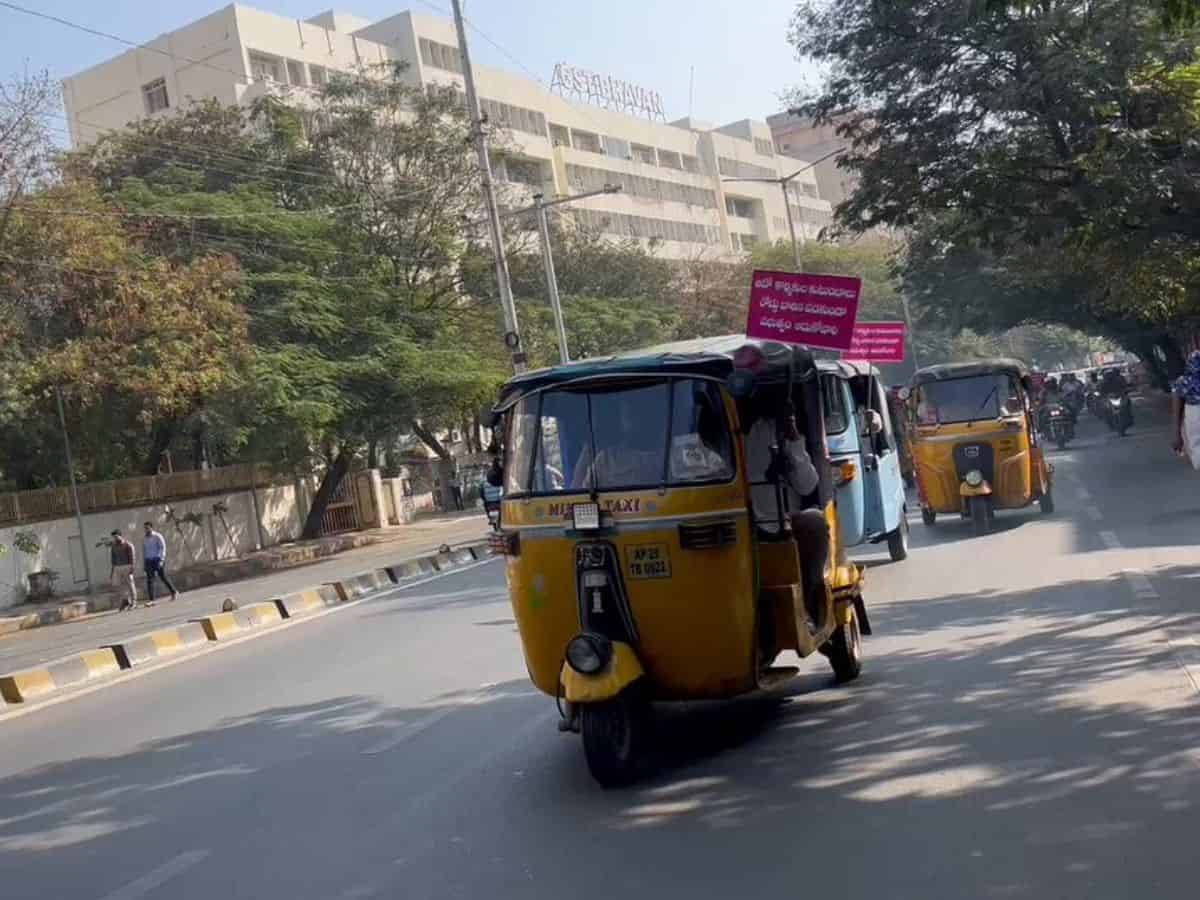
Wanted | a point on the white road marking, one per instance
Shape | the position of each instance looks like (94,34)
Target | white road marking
(140,887)
(1110,540)
(1093,513)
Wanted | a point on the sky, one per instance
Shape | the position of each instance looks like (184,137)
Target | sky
(739,50)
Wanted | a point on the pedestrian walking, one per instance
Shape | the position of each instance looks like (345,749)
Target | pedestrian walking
(1185,411)
(154,560)
(121,554)
(456,490)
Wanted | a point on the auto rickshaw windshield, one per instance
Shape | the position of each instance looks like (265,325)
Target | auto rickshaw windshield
(607,437)
(967,399)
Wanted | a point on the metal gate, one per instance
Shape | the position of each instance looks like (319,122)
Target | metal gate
(342,513)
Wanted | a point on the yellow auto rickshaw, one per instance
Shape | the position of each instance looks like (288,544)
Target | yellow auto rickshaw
(639,570)
(973,440)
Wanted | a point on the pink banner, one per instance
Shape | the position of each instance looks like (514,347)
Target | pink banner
(877,342)
(814,310)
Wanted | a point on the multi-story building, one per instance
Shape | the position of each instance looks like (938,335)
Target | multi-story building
(798,137)
(674,177)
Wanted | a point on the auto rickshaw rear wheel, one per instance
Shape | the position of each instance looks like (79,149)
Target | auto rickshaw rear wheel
(981,515)
(897,539)
(845,650)
(928,516)
(614,735)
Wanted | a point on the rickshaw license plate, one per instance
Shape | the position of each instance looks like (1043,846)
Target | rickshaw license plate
(648,561)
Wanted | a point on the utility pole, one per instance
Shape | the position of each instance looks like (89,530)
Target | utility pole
(912,338)
(783,186)
(540,206)
(512,335)
(83,545)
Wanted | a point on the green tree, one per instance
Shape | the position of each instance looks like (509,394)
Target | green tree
(1041,155)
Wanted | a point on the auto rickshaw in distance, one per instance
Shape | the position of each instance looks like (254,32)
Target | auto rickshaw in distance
(974,443)
(637,568)
(872,505)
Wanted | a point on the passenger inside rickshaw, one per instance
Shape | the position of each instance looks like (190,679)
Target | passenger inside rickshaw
(769,421)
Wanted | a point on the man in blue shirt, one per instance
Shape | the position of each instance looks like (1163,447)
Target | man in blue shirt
(154,560)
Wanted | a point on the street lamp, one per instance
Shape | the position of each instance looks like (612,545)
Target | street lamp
(783,186)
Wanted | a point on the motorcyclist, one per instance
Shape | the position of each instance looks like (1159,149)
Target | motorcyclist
(1051,396)
(1113,384)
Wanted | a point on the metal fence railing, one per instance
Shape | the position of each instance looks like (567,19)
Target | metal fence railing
(55,503)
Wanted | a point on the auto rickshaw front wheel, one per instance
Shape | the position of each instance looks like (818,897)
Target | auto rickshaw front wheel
(928,516)
(845,650)
(981,515)
(1046,502)
(615,734)
(897,539)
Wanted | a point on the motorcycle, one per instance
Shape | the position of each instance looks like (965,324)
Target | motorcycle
(1119,408)
(1074,402)
(1058,424)
(1095,404)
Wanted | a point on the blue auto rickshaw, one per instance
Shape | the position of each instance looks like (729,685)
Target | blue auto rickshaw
(865,452)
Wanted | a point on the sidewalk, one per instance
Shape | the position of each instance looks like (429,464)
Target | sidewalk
(262,575)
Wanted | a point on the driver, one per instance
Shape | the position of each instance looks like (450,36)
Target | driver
(769,427)
(622,459)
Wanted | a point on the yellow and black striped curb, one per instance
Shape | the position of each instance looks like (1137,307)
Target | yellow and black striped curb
(72,671)
(27,684)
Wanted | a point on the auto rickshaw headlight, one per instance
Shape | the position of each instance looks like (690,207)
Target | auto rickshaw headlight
(974,478)
(587,654)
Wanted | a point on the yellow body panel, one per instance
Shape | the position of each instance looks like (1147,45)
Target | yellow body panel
(696,625)
(622,670)
(1020,471)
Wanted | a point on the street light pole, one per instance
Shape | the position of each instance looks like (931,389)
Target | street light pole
(539,208)
(512,335)
(83,546)
(551,278)
(783,182)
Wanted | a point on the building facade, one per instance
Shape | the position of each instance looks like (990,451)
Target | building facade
(675,177)
(799,137)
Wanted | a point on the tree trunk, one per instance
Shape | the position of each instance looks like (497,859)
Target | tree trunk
(333,477)
(164,433)
(430,440)
(373,455)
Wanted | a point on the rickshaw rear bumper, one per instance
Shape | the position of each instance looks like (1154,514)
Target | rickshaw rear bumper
(623,669)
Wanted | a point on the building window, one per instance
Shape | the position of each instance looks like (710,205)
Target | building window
(737,169)
(155,95)
(585,140)
(742,242)
(764,147)
(690,163)
(524,171)
(559,135)
(295,70)
(740,207)
(265,68)
(441,56)
(586,178)
(317,75)
(646,227)
(669,159)
(645,154)
(617,148)
(515,117)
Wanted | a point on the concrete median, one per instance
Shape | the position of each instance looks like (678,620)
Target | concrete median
(360,585)
(146,648)
(304,603)
(222,626)
(29,684)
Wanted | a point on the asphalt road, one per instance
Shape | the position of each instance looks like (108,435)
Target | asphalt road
(1026,727)
(35,646)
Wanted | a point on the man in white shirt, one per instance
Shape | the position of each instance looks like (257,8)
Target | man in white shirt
(154,561)
(794,469)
